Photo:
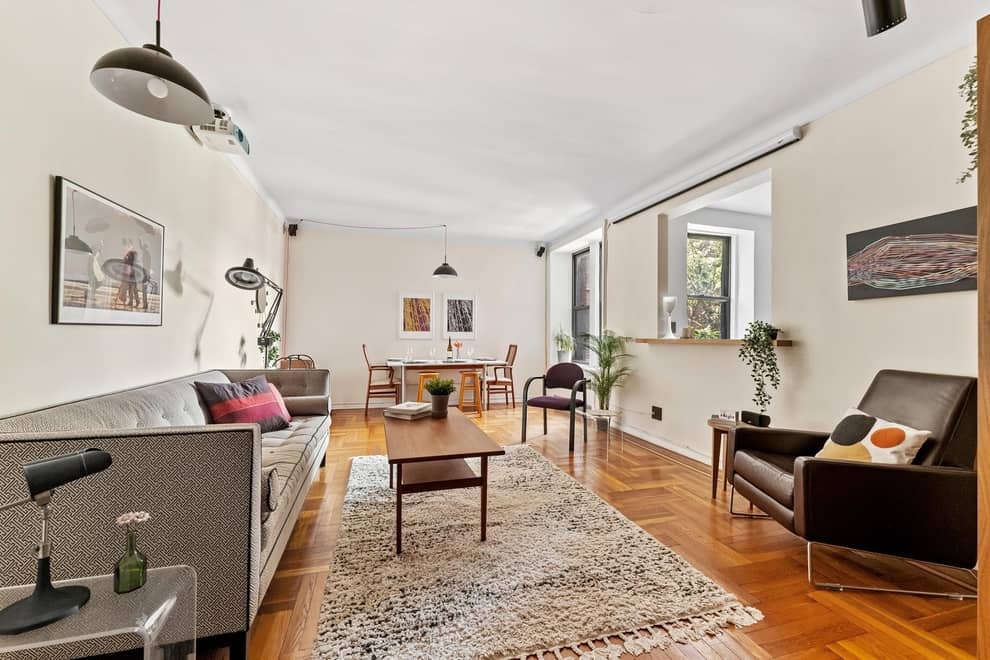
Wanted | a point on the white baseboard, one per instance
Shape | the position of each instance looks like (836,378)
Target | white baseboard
(687,452)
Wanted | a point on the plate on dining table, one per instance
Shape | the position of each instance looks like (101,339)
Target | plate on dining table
(487,359)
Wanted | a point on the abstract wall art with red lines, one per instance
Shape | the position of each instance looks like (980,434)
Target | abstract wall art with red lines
(936,254)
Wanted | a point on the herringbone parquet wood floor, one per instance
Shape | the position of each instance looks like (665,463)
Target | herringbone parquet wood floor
(670,497)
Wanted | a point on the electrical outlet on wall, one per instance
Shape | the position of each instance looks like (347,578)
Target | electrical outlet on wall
(657,413)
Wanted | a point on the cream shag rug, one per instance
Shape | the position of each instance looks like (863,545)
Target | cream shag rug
(561,569)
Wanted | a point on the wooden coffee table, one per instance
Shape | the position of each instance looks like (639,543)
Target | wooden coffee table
(428,454)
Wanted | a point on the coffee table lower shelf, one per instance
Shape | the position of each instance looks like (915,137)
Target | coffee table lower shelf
(428,476)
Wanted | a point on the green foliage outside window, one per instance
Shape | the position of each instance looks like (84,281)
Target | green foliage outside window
(706,260)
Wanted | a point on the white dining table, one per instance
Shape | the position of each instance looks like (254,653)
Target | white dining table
(475,364)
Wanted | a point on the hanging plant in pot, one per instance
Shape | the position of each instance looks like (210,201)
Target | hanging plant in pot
(440,390)
(610,352)
(758,353)
(565,345)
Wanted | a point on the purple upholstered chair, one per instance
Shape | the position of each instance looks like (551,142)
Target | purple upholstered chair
(563,376)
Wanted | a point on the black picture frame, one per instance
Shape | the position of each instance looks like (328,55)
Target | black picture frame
(87,286)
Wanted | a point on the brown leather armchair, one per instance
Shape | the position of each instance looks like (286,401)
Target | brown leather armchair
(925,511)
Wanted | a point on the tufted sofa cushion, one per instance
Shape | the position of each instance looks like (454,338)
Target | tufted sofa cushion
(171,403)
(290,453)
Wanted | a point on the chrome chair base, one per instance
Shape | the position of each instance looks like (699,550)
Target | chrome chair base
(740,514)
(835,586)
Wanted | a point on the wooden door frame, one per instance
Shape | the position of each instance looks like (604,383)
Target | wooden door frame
(983,320)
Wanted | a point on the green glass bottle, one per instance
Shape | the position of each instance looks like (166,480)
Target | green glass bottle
(132,569)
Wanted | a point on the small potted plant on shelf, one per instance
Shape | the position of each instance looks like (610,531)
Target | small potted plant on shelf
(610,351)
(440,390)
(565,345)
(758,353)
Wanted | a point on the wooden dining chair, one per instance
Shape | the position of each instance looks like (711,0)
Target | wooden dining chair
(503,384)
(295,361)
(389,389)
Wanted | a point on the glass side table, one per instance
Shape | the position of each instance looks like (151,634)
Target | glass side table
(609,417)
(159,618)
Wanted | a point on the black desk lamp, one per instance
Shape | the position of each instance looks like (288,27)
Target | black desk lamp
(249,278)
(49,604)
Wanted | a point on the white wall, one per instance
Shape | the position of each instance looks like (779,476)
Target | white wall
(344,289)
(560,289)
(753,264)
(559,304)
(891,156)
(55,123)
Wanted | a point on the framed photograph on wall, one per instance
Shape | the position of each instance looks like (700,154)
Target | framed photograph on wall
(107,261)
(460,314)
(415,315)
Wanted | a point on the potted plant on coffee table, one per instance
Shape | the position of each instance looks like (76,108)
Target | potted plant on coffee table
(440,390)
(565,345)
(758,353)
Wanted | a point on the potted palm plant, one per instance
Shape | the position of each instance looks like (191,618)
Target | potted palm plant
(565,345)
(758,353)
(440,390)
(609,350)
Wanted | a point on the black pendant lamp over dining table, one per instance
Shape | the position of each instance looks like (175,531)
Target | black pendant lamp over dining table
(444,270)
(150,82)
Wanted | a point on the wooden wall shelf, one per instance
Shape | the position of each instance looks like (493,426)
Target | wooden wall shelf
(705,342)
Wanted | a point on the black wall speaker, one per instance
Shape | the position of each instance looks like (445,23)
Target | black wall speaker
(881,15)
(540,251)
(754,418)
(293,228)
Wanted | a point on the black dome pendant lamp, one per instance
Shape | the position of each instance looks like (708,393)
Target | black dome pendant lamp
(149,82)
(445,270)
(881,15)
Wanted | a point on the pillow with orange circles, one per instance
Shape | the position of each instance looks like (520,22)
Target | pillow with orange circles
(862,437)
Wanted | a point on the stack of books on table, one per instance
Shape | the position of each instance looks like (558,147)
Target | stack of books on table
(409,410)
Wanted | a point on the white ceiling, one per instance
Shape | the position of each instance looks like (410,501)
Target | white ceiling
(755,201)
(520,118)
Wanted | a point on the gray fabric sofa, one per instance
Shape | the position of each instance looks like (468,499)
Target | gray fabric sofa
(202,484)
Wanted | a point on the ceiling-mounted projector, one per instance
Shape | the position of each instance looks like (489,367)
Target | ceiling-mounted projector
(221,135)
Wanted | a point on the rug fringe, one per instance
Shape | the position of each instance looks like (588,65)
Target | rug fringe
(659,635)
